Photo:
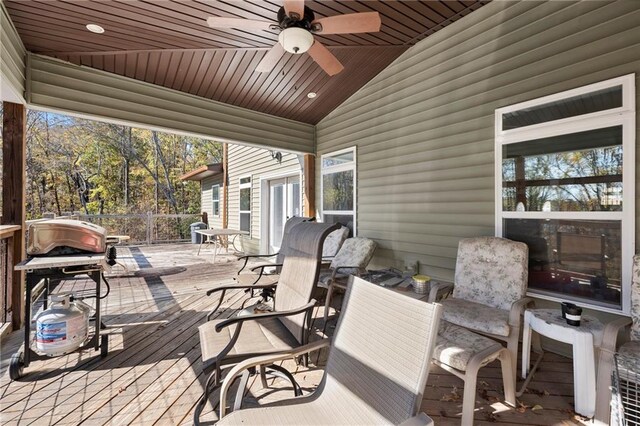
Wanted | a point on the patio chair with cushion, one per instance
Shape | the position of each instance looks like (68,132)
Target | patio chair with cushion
(352,259)
(376,371)
(630,349)
(228,341)
(489,290)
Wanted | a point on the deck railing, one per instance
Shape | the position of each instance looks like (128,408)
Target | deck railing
(7,262)
(146,228)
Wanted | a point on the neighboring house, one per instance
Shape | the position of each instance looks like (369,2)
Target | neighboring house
(264,188)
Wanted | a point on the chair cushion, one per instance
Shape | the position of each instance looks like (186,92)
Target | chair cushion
(256,338)
(334,241)
(476,316)
(456,346)
(356,252)
(630,359)
(491,270)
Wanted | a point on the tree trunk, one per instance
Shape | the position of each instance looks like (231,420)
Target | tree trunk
(169,190)
(126,152)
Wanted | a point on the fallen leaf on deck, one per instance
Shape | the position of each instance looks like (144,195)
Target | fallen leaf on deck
(537,407)
(522,407)
(450,397)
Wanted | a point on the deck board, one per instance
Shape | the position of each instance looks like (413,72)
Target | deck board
(152,374)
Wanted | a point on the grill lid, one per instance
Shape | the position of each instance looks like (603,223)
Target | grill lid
(65,236)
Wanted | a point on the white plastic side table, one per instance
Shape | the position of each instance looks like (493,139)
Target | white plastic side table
(549,323)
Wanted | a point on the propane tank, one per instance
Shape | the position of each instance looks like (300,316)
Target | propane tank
(63,327)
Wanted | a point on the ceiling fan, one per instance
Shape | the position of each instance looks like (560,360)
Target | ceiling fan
(298,25)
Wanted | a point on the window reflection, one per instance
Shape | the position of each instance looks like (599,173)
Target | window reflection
(581,258)
(573,172)
(337,191)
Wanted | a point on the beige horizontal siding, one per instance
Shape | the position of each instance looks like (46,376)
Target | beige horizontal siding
(88,92)
(257,163)
(424,127)
(12,58)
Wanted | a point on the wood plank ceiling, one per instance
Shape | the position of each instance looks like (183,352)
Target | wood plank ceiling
(168,43)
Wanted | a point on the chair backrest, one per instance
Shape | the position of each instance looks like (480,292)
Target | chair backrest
(286,232)
(635,299)
(334,241)
(381,351)
(300,272)
(491,270)
(356,252)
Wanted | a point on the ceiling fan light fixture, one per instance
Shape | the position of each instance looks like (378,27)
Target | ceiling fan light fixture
(311,95)
(95,28)
(295,40)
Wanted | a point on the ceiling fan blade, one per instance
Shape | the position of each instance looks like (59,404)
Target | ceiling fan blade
(365,22)
(294,6)
(325,59)
(270,59)
(238,23)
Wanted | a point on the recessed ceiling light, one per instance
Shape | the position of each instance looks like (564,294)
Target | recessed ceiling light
(94,28)
(311,95)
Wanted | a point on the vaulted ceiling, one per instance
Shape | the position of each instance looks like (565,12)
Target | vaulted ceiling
(168,43)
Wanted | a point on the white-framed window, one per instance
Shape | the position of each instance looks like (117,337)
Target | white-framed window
(338,187)
(245,204)
(215,200)
(565,185)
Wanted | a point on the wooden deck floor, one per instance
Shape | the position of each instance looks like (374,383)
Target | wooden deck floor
(152,373)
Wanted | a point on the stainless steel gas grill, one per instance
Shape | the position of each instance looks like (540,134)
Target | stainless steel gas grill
(59,249)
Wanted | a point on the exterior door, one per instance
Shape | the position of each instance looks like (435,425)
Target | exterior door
(284,202)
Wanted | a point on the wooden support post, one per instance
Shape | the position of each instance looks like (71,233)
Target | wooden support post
(14,168)
(309,185)
(225,184)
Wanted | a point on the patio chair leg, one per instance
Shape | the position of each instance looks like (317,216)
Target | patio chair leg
(241,389)
(327,303)
(212,382)
(263,377)
(313,318)
(507,379)
(469,397)
(283,373)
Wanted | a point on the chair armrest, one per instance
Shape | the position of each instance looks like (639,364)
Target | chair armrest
(251,256)
(224,289)
(238,287)
(246,258)
(264,360)
(258,317)
(421,419)
(439,288)
(610,335)
(517,309)
(265,265)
